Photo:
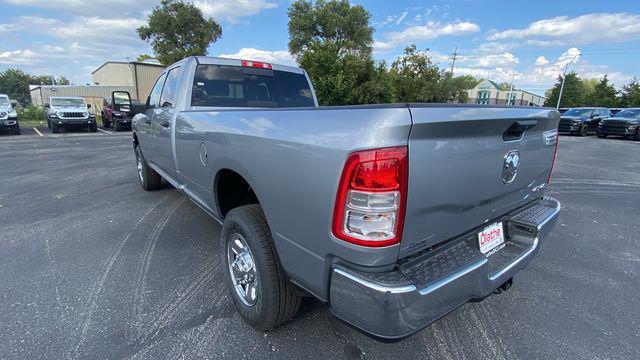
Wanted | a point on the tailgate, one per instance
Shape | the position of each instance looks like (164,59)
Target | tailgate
(457,159)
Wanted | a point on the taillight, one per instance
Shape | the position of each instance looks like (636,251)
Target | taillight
(371,198)
(256,64)
(549,137)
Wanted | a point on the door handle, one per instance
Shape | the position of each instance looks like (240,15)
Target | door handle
(165,124)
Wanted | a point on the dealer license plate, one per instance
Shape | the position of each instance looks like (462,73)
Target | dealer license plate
(491,238)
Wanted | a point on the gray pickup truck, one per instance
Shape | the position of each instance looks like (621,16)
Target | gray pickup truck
(392,215)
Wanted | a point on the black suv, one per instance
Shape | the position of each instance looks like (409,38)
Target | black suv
(581,120)
(626,123)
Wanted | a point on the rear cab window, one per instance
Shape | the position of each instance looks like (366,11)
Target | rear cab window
(235,86)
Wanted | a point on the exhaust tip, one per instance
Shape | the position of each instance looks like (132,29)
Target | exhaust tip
(504,287)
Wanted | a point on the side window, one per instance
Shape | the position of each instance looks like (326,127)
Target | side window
(153,101)
(169,92)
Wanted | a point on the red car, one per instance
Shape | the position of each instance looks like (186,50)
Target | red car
(118,119)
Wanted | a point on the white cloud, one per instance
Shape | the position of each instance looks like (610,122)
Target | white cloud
(585,29)
(231,10)
(541,60)
(277,57)
(430,30)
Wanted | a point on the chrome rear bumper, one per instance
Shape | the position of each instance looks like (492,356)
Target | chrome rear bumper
(397,304)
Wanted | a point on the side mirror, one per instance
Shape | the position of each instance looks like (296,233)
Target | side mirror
(47,106)
(88,106)
(14,103)
(121,101)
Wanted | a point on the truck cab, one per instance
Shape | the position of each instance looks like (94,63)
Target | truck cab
(68,112)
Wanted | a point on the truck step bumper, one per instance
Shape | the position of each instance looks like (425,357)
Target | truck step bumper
(396,304)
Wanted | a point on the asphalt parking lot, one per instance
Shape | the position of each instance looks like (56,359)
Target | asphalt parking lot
(91,267)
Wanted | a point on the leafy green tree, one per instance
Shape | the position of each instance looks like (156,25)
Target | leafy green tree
(177,30)
(573,94)
(332,41)
(603,94)
(415,77)
(143,57)
(630,94)
(15,83)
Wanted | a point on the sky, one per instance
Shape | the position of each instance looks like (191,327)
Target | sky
(528,41)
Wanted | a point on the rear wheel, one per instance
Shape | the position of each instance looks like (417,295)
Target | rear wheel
(149,179)
(636,137)
(117,126)
(584,130)
(16,130)
(256,281)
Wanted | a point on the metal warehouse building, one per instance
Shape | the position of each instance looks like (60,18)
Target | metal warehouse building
(92,94)
(141,75)
(135,77)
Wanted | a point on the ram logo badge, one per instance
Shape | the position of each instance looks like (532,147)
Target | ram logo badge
(510,167)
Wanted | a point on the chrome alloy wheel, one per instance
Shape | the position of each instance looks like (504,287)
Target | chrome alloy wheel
(140,174)
(243,270)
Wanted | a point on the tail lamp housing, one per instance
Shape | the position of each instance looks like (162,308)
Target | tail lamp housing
(371,199)
(552,136)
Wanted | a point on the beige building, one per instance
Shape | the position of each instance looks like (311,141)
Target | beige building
(140,75)
(488,92)
(92,94)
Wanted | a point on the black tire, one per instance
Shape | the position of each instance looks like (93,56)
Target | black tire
(117,126)
(602,136)
(276,300)
(93,127)
(148,178)
(636,137)
(55,128)
(49,124)
(105,121)
(584,130)
(16,130)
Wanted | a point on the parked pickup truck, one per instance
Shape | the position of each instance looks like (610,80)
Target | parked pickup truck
(64,112)
(392,215)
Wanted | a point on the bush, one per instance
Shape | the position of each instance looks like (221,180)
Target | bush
(31,113)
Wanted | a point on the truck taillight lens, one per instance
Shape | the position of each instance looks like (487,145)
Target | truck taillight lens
(371,198)
(552,135)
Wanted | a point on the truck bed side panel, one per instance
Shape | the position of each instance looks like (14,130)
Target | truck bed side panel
(293,159)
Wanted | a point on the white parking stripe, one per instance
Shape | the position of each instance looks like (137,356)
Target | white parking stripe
(38,131)
(105,131)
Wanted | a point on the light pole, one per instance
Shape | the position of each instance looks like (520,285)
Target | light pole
(564,76)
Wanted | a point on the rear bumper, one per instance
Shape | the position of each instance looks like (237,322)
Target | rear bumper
(428,286)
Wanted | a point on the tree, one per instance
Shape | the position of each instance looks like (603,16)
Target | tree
(603,94)
(573,94)
(630,94)
(143,57)
(332,41)
(15,83)
(177,30)
(333,22)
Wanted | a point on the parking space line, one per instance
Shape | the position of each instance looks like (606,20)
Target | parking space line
(105,131)
(38,131)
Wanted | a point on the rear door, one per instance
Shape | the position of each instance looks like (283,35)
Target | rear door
(457,175)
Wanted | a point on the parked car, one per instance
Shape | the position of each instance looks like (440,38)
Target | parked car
(370,209)
(64,112)
(562,110)
(582,120)
(119,119)
(626,123)
(8,116)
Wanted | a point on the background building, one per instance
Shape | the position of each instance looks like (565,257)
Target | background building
(137,78)
(92,94)
(141,75)
(488,92)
